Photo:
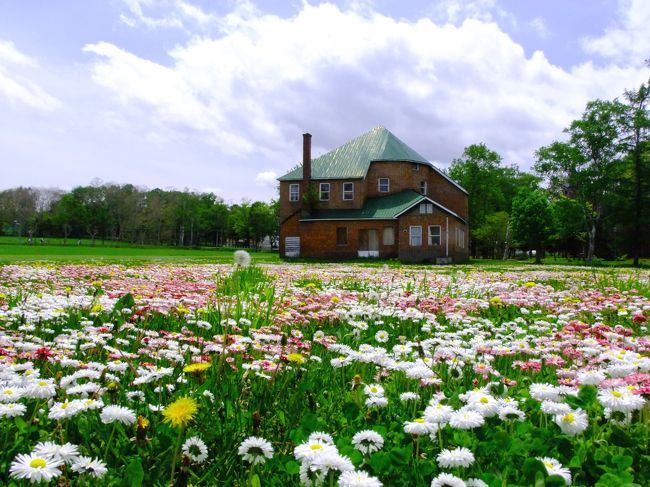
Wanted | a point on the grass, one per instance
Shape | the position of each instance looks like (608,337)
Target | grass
(12,252)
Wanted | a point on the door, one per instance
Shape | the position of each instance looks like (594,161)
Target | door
(369,243)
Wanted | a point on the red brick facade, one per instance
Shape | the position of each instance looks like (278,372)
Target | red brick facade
(323,239)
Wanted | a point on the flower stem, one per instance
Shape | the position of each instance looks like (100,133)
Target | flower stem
(178,445)
(110,438)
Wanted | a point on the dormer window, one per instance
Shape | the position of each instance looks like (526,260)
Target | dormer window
(324,192)
(384,185)
(426,208)
(294,192)
(348,191)
(423,187)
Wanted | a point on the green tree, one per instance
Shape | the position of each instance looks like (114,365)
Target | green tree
(532,221)
(587,167)
(634,126)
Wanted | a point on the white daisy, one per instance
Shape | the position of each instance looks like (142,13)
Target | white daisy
(255,450)
(447,480)
(358,479)
(195,449)
(620,399)
(466,419)
(114,413)
(420,426)
(35,468)
(64,453)
(12,410)
(458,457)
(92,466)
(368,441)
(553,467)
(572,423)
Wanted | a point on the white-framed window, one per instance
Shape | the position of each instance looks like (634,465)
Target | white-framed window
(423,187)
(460,238)
(389,236)
(426,208)
(415,236)
(435,235)
(383,185)
(348,191)
(294,192)
(324,193)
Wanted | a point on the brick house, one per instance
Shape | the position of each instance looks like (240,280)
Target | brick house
(372,197)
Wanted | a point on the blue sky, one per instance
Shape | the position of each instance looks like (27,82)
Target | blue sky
(214,95)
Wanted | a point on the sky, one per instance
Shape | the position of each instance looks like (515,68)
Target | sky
(214,96)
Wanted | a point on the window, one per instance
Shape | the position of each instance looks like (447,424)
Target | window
(384,185)
(324,191)
(341,236)
(460,238)
(434,235)
(423,187)
(294,192)
(415,236)
(426,208)
(348,191)
(389,236)
(415,167)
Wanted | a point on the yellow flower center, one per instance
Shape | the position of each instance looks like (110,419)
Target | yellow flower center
(315,446)
(37,463)
(549,465)
(616,394)
(419,420)
(569,418)
(484,400)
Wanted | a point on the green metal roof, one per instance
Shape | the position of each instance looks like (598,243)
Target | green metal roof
(382,208)
(387,207)
(353,159)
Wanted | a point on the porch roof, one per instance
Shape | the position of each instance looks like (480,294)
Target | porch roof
(388,207)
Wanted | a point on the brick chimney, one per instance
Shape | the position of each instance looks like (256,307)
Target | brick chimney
(306,159)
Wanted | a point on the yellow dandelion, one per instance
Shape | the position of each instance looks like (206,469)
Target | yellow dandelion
(196,368)
(180,412)
(296,357)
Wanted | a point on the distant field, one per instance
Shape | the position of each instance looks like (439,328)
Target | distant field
(12,251)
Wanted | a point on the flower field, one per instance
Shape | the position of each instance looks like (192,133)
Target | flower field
(282,375)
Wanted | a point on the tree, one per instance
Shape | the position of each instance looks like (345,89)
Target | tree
(634,126)
(532,221)
(587,166)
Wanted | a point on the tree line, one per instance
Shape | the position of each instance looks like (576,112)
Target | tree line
(126,213)
(588,195)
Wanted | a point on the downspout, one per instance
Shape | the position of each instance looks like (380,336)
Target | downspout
(446,236)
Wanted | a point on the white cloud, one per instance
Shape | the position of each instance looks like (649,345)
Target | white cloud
(266,178)
(157,14)
(628,41)
(17,88)
(260,81)
(538,25)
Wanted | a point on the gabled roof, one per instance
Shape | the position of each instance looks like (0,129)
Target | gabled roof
(388,207)
(352,159)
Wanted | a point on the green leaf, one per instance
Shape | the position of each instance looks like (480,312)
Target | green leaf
(125,301)
(309,422)
(350,411)
(622,462)
(531,467)
(292,468)
(399,456)
(380,463)
(134,472)
(587,394)
(554,481)
(255,481)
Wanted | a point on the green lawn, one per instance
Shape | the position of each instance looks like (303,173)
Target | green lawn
(11,252)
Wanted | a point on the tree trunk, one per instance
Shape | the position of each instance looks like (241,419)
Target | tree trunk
(636,233)
(506,250)
(591,244)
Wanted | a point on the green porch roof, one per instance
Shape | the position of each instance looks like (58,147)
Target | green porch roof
(381,208)
(353,159)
